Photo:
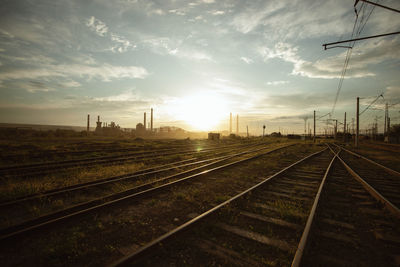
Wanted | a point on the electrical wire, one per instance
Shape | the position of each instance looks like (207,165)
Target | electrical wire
(381,95)
(346,63)
(350,49)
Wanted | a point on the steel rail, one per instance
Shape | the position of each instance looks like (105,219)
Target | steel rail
(304,237)
(112,199)
(113,161)
(371,161)
(120,178)
(146,248)
(374,193)
(95,160)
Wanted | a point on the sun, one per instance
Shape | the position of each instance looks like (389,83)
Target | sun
(202,111)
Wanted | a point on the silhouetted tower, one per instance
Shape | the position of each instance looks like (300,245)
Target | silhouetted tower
(144,121)
(237,124)
(151,120)
(88,120)
(230,124)
(98,123)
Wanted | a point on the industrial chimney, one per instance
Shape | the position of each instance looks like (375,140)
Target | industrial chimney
(144,121)
(237,124)
(88,119)
(230,124)
(151,120)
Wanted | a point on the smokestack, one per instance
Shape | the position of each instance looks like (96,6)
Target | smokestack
(98,118)
(237,124)
(144,120)
(151,120)
(230,124)
(88,119)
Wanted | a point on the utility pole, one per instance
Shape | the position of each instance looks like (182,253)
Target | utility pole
(151,120)
(247,127)
(88,120)
(314,126)
(335,133)
(144,120)
(357,120)
(237,124)
(344,128)
(230,124)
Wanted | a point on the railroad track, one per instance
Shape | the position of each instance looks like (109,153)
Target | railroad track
(135,150)
(132,193)
(48,167)
(270,224)
(258,226)
(382,181)
(19,210)
(350,227)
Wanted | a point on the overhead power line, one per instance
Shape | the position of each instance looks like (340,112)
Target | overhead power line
(358,39)
(376,4)
(381,95)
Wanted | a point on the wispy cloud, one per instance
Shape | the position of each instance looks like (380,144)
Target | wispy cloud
(331,67)
(105,72)
(247,60)
(96,25)
(121,44)
(277,82)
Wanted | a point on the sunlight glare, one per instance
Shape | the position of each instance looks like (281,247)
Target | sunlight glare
(202,111)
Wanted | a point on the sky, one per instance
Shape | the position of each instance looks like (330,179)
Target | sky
(194,62)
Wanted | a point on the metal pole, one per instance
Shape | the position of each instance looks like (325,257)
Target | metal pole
(335,129)
(237,124)
(314,126)
(230,124)
(358,39)
(357,120)
(151,120)
(88,119)
(344,128)
(144,120)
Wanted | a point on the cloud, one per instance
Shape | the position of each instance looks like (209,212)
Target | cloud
(105,72)
(247,60)
(70,83)
(370,54)
(208,1)
(217,12)
(36,86)
(252,16)
(96,25)
(167,46)
(122,44)
(123,97)
(277,82)
(392,93)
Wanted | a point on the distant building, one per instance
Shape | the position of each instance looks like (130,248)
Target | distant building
(214,136)
(140,130)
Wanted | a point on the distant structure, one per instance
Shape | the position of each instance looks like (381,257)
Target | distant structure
(109,130)
(237,124)
(214,136)
(230,124)
(144,121)
(140,129)
(151,120)
(98,125)
(88,121)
